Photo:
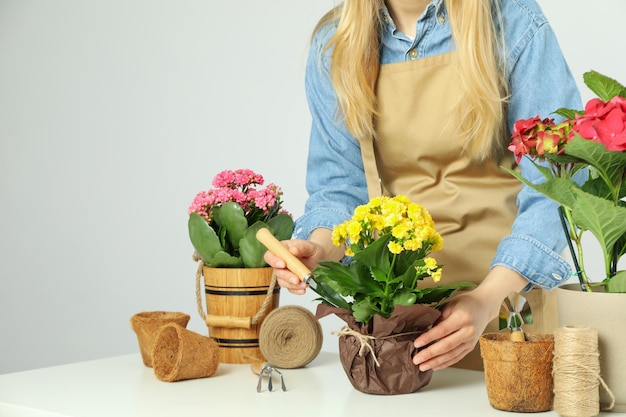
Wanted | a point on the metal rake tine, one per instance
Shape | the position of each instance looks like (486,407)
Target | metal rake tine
(282,380)
(269,381)
(259,385)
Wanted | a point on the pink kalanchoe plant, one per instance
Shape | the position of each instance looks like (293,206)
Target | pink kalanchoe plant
(223,220)
(583,160)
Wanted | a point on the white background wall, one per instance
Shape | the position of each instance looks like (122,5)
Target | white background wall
(114,114)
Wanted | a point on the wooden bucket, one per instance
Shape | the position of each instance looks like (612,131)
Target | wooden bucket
(237,301)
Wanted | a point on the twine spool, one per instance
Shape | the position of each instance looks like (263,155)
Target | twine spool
(290,337)
(576,371)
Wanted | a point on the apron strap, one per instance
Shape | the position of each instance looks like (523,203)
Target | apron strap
(374,183)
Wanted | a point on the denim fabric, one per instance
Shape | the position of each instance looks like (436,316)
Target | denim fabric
(539,81)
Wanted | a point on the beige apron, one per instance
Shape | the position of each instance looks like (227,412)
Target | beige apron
(417,155)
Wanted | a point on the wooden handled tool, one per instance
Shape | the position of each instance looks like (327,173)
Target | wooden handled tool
(294,264)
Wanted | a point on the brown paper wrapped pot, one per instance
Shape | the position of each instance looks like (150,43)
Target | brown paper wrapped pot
(518,375)
(146,325)
(378,357)
(183,354)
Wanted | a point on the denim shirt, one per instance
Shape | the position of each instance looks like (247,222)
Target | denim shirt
(539,82)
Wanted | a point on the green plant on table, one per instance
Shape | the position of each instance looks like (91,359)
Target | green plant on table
(590,144)
(389,241)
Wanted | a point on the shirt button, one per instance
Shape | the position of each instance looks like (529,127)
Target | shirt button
(442,19)
(413,53)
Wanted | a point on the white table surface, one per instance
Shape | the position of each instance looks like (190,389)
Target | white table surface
(122,386)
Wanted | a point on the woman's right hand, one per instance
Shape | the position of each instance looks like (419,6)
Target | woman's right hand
(308,252)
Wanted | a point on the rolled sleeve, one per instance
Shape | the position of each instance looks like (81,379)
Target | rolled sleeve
(532,259)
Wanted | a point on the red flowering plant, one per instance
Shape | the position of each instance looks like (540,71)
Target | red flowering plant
(223,221)
(585,173)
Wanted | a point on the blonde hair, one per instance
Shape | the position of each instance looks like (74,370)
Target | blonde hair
(480,110)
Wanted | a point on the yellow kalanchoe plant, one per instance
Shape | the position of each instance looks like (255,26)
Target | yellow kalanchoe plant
(389,241)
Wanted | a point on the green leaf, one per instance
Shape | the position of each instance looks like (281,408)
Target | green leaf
(441,293)
(336,281)
(610,165)
(363,310)
(336,276)
(617,283)
(203,237)
(606,221)
(378,275)
(409,277)
(597,186)
(232,218)
(250,249)
(405,298)
(407,260)
(225,260)
(282,225)
(567,113)
(362,280)
(604,87)
(376,255)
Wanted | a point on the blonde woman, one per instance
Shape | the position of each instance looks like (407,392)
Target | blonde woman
(417,97)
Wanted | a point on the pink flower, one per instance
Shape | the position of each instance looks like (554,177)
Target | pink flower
(266,198)
(240,178)
(604,123)
(201,204)
(239,186)
(225,179)
(247,177)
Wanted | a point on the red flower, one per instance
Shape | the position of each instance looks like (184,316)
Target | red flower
(604,123)
(536,137)
(523,137)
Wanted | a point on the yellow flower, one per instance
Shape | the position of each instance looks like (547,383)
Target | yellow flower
(400,231)
(436,275)
(394,247)
(437,242)
(410,225)
(361,213)
(354,231)
(338,235)
(431,263)
(412,244)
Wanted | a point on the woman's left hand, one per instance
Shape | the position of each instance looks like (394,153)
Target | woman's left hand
(463,319)
(455,334)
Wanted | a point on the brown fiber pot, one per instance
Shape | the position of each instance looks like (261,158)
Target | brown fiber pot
(183,354)
(518,375)
(146,325)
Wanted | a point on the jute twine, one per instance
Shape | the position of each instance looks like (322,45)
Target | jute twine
(576,371)
(365,339)
(290,337)
(255,319)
